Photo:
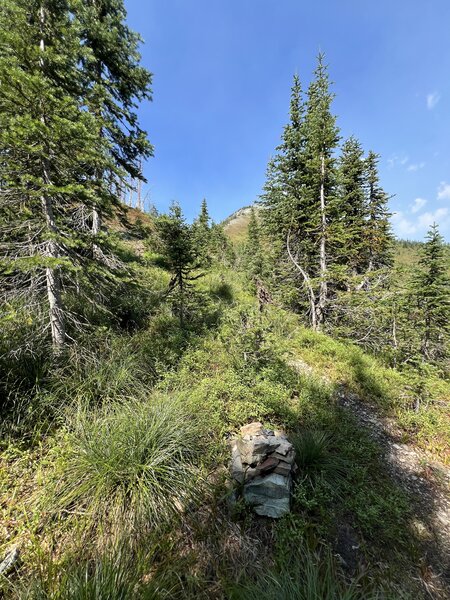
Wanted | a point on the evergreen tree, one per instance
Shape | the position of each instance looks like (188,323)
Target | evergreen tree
(253,255)
(321,140)
(286,214)
(114,82)
(201,230)
(378,235)
(55,155)
(432,293)
(351,209)
(283,199)
(46,141)
(180,253)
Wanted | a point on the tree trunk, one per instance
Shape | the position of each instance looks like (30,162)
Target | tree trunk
(306,279)
(53,275)
(323,291)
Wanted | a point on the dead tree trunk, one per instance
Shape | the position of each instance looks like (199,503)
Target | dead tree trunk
(307,282)
(53,274)
(323,291)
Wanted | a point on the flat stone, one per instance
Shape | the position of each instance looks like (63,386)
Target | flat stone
(283,469)
(10,559)
(271,486)
(268,465)
(270,495)
(251,429)
(256,450)
(284,447)
(273,508)
(287,458)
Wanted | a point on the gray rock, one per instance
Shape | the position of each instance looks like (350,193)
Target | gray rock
(288,458)
(11,557)
(270,495)
(237,470)
(256,450)
(263,462)
(252,429)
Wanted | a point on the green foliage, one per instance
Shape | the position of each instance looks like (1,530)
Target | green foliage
(315,459)
(253,251)
(182,257)
(432,292)
(112,576)
(131,465)
(310,576)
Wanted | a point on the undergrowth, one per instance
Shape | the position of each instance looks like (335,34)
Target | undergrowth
(129,443)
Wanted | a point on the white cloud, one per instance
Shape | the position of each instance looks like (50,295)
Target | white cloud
(416,167)
(395,160)
(432,99)
(439,216)
(402,225)
(444,191)
(418,204)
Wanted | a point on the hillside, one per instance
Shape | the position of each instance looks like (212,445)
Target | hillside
(252,410)
(363,495)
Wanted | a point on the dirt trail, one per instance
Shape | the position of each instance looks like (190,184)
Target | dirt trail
(428,483)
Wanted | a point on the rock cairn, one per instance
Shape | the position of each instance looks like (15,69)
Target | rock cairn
(263,462)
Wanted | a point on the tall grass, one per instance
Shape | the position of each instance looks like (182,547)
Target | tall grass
(314,457)
(309,576)
(131,464)
(113,576)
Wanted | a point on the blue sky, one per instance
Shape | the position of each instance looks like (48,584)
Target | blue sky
(222,76)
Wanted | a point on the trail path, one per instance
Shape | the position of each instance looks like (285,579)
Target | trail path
(427,481)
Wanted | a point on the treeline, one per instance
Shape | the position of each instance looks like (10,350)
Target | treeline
(329,247)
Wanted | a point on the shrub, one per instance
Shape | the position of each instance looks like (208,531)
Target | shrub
(131,465)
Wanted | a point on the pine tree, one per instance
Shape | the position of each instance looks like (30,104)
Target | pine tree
(351,210)
(45,143)
(378,235)
(300,187)
(321,140)
(432,293)
(114,83)
(253,254)
(52,148)
(180,253)
(201,231)
(286,214)
(283,201)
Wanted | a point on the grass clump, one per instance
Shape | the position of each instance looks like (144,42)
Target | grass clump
(132,464)
(314,456)
(310,576)
(113,576)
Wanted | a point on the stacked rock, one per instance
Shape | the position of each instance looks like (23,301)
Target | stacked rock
(263,462)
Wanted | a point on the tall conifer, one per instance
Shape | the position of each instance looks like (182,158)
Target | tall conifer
(321,140)
(432,291)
